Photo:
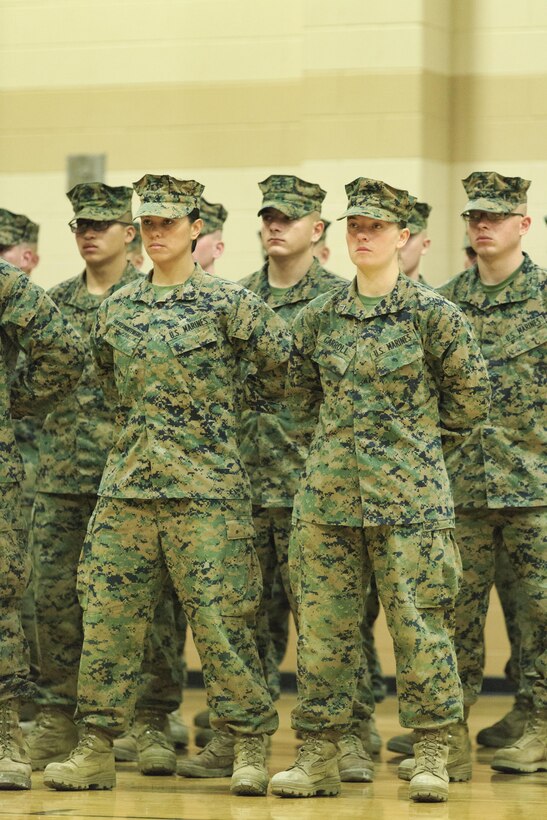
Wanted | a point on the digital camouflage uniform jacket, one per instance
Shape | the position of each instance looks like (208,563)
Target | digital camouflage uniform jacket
(504,463)
(175,359)
(389,385)
(78,434)
(30,323)
(273,456)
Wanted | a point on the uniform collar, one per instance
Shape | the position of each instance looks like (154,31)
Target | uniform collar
(81,298)
(519,290)
(349,304)
(186,292)
(303,290)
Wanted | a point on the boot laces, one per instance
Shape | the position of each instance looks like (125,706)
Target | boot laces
(311,749)
(250,751)
(351,744)
(85,742)
(431,747)
(6,738)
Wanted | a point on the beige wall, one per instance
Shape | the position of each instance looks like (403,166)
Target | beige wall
(415,92)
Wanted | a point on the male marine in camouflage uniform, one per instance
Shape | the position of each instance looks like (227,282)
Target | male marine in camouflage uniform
(174,496)
(29,323)
(289,279)
(73,445)
(210,245)
(390,369)
(418,242)
(498,478)
(19,247)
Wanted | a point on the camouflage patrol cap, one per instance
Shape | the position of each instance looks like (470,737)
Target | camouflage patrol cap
(291,195)
(377,200)
(95,200)
(214,216)
(163,195)
(489,191)
(417,221)
(17,228)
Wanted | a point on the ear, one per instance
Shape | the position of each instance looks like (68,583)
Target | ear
(195,228)
(218,249)
(425,246)
(525,223)
(317,232)
(129,234)
(404,233)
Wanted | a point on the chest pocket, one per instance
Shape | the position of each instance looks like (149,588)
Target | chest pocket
(529,340)
(184,343)
(124,341)
(333,366)
(198,354)
(402,375)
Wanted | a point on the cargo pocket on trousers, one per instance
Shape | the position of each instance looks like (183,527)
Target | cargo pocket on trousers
(242,579)
(439,570)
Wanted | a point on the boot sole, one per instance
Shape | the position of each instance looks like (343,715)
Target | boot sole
(518,768)
(64,785)
(249,787)
(15,782)
(325,789)
(157,771)
(428,796)
(357,776)
(460,775)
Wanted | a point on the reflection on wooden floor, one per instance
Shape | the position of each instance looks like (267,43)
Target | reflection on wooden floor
(489,795)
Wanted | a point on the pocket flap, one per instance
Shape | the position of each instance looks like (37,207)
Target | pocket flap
(399,357)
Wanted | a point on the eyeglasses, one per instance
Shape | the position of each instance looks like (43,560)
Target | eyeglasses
(474,217)
(79,226)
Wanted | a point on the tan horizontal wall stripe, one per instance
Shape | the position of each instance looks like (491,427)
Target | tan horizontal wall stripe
(413,114)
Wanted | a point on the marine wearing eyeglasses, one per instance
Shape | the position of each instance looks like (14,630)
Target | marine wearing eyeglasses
(75,440)
(498,476)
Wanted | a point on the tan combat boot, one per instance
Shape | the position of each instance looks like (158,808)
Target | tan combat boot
(15,768)
(529,753)
(89,766)
(250,775)
(429,782)
(53,737)
(155,749)
(459,765)
(314,773)
(354,762)
(510,728)
(215,760)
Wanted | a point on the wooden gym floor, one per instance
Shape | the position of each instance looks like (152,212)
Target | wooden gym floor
(489,796)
